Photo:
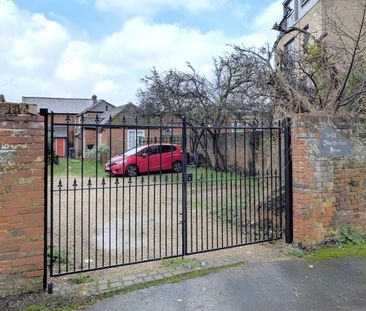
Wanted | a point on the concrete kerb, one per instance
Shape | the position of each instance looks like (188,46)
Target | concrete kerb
(99,287)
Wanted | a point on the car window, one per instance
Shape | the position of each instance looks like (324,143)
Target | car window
(153,150)
(132,151)
(167,148)
(142,151)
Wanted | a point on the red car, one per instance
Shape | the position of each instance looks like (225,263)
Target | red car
(147,158)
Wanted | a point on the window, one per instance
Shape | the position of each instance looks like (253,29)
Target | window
(153,150)
(239,127)
(133,151)
(133,137)
(166,148)
(303,2)
(290,13)
(289,60)
(290,47)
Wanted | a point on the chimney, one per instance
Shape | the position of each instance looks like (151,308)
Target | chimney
(94,99)
(2,98)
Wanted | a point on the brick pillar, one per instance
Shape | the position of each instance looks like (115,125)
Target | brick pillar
(327,192)
(21,198)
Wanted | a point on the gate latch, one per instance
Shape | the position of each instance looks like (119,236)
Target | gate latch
(189,177)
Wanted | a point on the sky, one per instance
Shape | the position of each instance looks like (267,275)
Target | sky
(77,48)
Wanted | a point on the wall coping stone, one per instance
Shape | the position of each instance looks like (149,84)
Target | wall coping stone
(9,108)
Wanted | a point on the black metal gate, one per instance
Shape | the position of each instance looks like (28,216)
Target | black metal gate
(127,191)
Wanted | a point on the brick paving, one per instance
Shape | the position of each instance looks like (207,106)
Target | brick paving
(105,286)
(100,286)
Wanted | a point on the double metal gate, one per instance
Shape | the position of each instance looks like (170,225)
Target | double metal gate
(129,192)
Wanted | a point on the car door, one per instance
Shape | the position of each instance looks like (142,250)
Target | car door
(142,160)
(153,159)
(167,157)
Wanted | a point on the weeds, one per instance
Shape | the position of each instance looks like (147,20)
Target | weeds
(79,279)
(297,252)
(349,235)
(58,256)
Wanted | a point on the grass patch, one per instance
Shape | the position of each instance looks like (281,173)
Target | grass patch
(198,175)
(89,168)
(347,250)
(181,262)
(211,176)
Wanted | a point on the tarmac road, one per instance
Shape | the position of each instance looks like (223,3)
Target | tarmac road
(280,285)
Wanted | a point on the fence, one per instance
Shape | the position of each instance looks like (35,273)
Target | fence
(167,196)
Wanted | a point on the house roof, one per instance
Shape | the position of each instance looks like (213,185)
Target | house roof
(60,105)
(129,111)
(105,116)
(93,107)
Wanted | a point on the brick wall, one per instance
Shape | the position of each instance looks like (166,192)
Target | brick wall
(327,192)
(21,198)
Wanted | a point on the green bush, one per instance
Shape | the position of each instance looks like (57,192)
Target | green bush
(103,153)
(55,156)
(349,235)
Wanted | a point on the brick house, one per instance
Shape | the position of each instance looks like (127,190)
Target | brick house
(72,108)
(122,139)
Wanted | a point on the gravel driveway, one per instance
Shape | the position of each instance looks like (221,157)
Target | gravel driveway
(126,220)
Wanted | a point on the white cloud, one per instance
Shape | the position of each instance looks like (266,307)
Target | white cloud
(142,7)
(271,14)
(72,66)
(39,56)
(106,87)
(239,9)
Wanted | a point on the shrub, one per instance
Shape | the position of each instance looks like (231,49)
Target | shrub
(103,153)
(55,156)
(349,235)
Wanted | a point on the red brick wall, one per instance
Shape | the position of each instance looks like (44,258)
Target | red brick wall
(21,198)
(327,192)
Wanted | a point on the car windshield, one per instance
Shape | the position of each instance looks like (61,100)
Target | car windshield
(132,151)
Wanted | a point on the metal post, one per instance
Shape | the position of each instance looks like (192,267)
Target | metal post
(184,188)
(52,163)
(44,113)
(288,182)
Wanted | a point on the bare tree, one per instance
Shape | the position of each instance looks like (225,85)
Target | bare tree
(236,91)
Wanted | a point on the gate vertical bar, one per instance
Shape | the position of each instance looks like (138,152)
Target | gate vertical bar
(184,188)
(44,113)
(52,162)
(288,182)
